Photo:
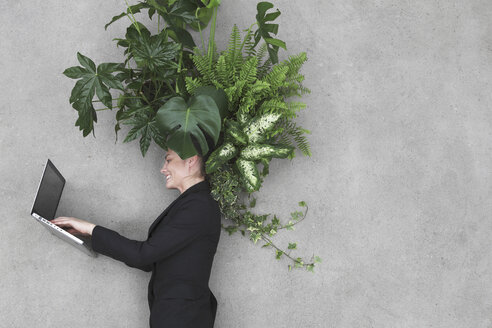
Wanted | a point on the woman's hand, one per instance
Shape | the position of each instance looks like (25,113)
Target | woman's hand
(74,225)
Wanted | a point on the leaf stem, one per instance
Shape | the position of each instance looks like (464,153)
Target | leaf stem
(266,239)
(157,92)
(167,96)
(200,29)
(180,62)
(113,99)
(169,86)
(145,98)
(293,224)
(134,21)
(211,39)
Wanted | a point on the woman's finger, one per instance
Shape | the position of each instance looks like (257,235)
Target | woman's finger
(80,226)
(63,224)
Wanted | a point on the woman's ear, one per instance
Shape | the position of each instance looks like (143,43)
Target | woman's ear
(192,161)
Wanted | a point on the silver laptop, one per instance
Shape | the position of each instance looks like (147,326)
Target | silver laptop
(46,202)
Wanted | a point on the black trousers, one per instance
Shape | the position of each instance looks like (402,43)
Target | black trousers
(184,313)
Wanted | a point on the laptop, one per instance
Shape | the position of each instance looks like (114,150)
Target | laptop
(46,202)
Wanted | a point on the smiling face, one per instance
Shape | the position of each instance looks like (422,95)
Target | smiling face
(180,174)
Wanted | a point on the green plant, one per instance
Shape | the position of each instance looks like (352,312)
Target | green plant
(173,91)
(258,126)
(153,71)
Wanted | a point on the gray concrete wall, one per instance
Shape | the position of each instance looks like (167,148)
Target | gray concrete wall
(398,187)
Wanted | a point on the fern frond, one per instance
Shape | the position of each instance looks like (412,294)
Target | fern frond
(273,105)
(253,94)
(257,92)
(247,103)
(261,53)
(277,76)
(234,92)
(292,131)
(264,69)
(296,78)
(202,64)
(304,90)
(248,71)
(222,72)
(294,107)
(290,88)
(233,56)
(293,79)
(192,84)
(218,85)
(294,63)
(249,45)
(259,88)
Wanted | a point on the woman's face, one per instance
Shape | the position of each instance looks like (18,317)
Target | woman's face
(175,170)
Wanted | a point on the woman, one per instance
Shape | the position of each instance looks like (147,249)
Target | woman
(179,249)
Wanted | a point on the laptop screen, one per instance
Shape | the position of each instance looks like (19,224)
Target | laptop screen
(49,192)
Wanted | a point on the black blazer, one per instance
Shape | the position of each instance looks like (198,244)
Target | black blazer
(179,251)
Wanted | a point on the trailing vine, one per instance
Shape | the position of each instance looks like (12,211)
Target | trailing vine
(240,97)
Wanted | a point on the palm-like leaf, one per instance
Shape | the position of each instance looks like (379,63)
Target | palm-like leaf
(156,53)
(92,81)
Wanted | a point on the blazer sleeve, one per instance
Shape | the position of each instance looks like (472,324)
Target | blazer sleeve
(186,224)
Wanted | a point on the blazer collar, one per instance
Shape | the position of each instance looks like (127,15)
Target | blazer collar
(197,187)
(202,185)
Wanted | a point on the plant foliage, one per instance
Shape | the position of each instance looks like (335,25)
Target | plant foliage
(172,91)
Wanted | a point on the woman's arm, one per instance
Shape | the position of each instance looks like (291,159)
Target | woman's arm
(187,223)
(81,227)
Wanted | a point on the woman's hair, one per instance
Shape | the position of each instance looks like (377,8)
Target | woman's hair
(201,162)
(203,158)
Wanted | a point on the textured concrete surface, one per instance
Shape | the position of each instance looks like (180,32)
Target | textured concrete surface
(398,187)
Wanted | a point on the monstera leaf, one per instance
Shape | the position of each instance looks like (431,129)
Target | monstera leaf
(218,95)
(180,120)
(265,30)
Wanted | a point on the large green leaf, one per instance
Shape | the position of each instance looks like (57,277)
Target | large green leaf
(130,10)
(180,121)
(92,81)
(155,53)
(145,127)
(182,12)
(218,95)
(182,36)
(255,152)
(204,15)
(159,6)
(258,126)
(265,30)
(220,156)
(249,174)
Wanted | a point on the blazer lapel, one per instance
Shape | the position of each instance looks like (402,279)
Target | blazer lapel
(195,188)
(162,215)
